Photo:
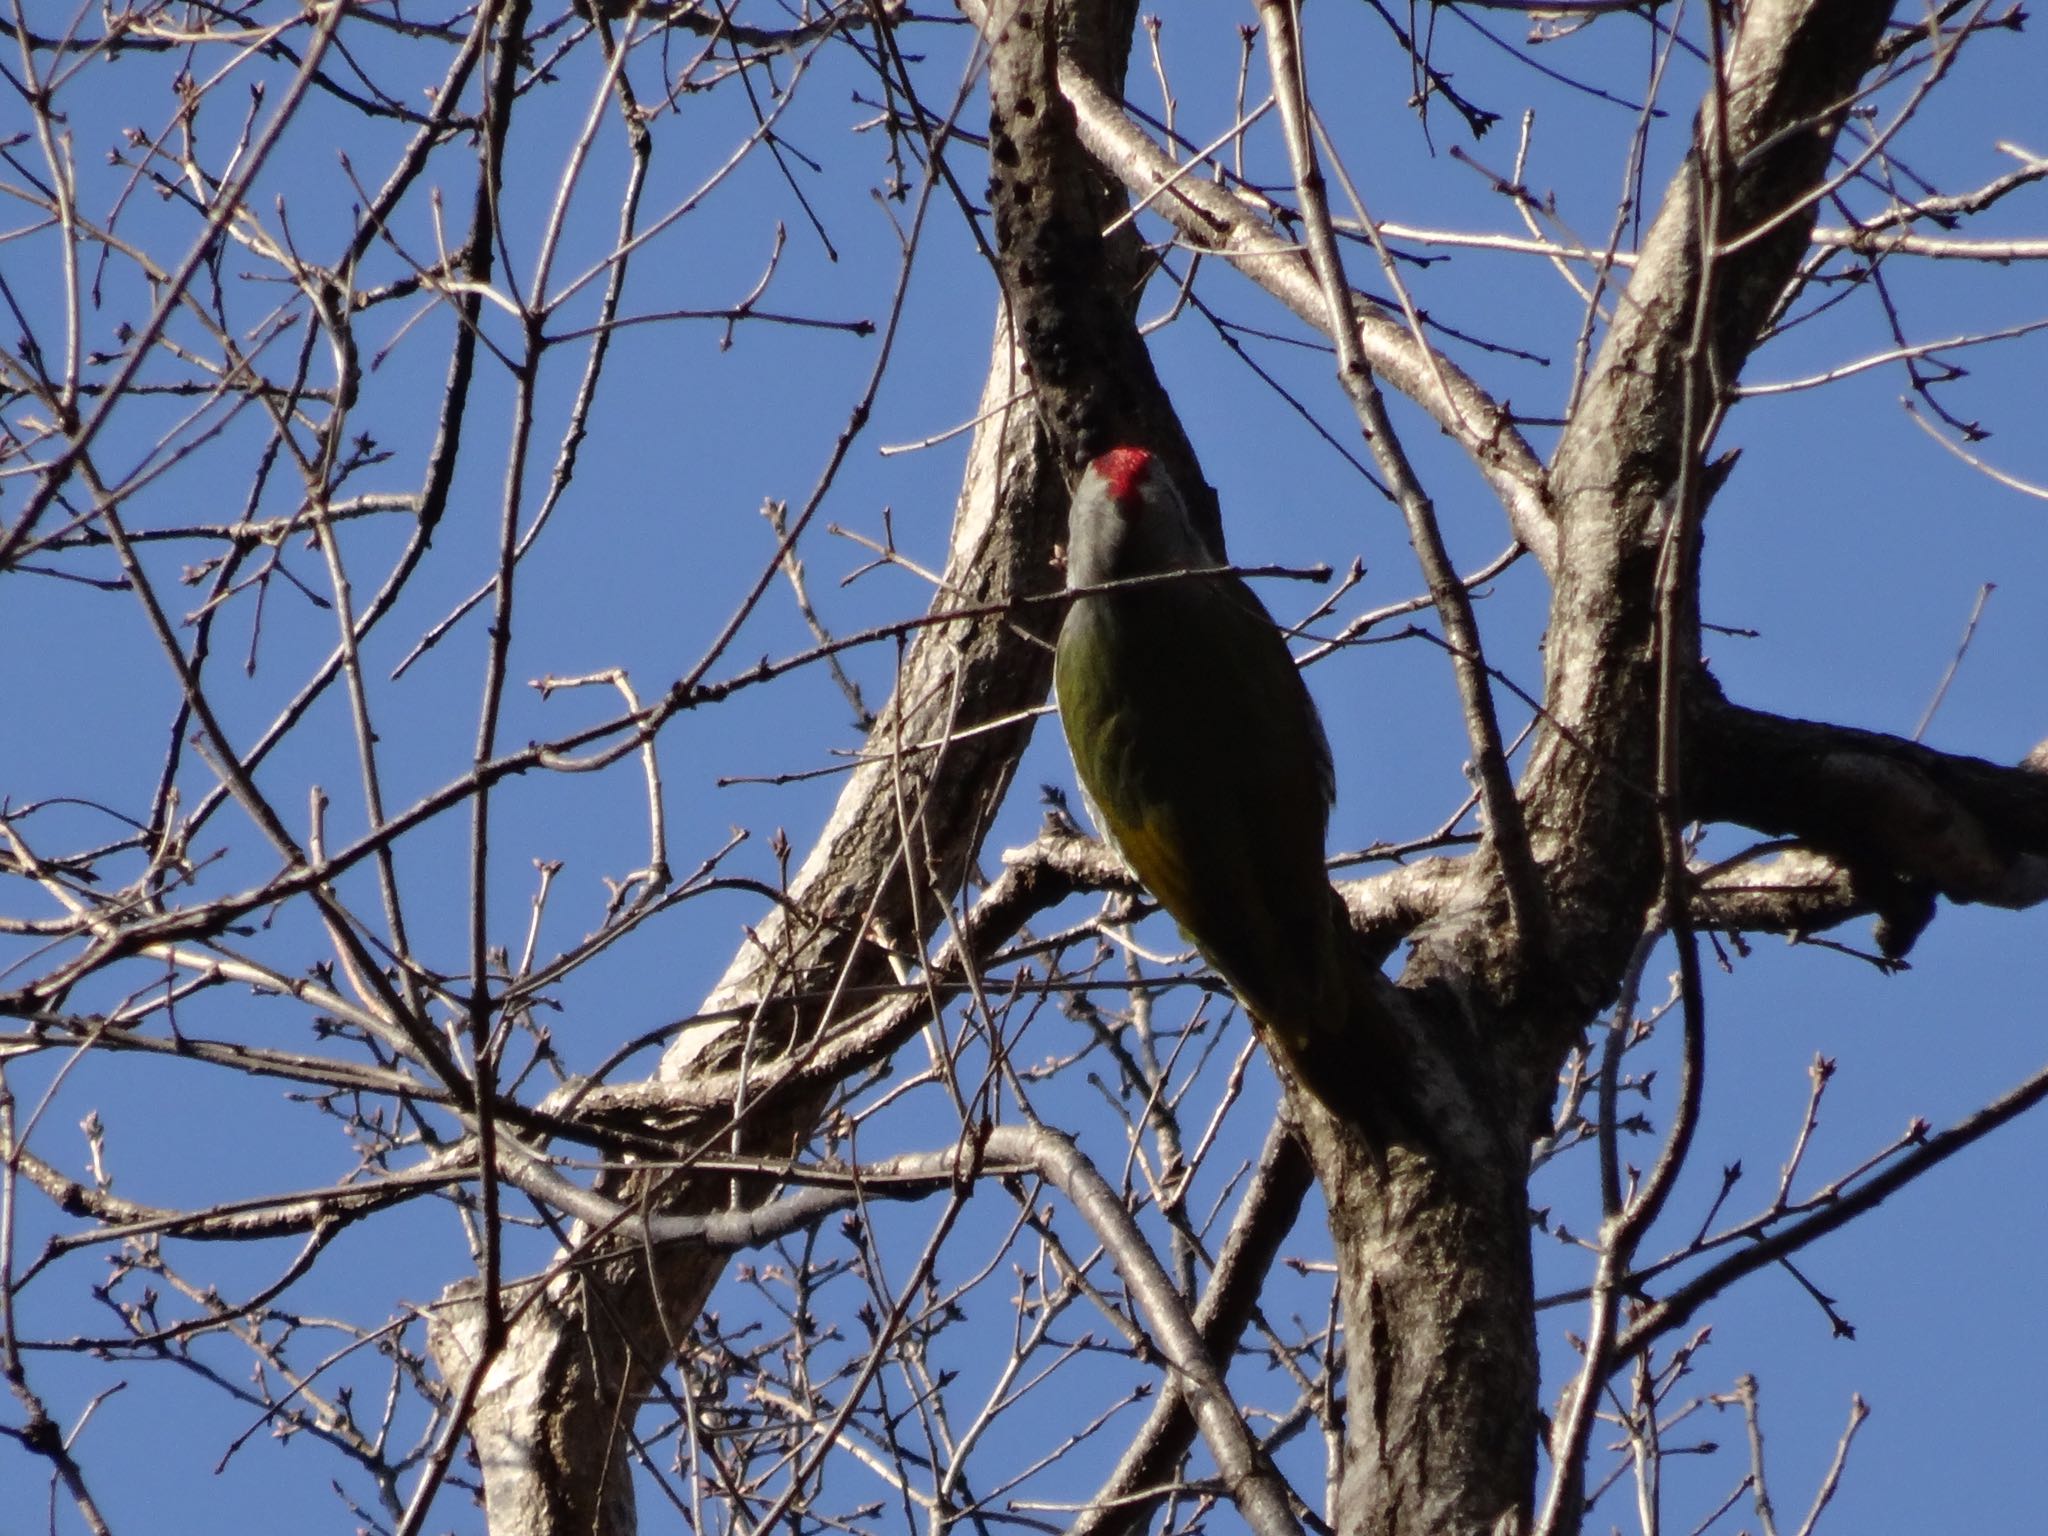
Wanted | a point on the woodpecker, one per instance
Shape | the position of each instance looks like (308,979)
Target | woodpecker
(1200,752)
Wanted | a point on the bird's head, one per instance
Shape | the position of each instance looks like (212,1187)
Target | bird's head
(1128,519)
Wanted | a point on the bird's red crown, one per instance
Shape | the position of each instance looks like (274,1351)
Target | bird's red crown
(1121,470)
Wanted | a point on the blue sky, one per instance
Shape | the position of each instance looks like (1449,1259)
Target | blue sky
(1847,539)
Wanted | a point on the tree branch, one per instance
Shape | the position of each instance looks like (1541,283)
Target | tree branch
(1209,219)
(1973,831)
(1704,288)
(1126,1500)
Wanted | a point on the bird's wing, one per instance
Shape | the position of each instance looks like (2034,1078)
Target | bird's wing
(1263,664)
(1207,767)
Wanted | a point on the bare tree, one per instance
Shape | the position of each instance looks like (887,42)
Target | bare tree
(958,1198)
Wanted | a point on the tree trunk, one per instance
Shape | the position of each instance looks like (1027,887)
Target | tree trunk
(1440,1335)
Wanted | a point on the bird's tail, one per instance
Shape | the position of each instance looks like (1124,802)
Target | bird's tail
(1316,1022)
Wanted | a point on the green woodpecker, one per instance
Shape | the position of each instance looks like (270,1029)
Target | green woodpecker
(1200,751)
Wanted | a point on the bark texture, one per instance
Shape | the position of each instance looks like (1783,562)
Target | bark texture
(1440,1330)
